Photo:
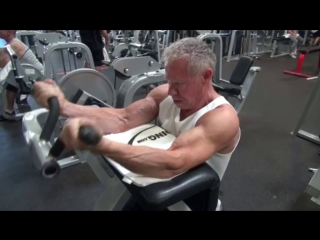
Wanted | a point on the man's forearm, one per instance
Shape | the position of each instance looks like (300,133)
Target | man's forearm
(142,160)
(115,120)
(111,120)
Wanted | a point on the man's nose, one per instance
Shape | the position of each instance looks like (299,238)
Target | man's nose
(172,91)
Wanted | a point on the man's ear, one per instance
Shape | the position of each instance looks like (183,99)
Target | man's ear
(207,76)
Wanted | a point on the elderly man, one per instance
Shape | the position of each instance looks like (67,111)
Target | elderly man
(205,125)
(25,55)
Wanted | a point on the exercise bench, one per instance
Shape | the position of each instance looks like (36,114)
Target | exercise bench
(275,52)
(303,53)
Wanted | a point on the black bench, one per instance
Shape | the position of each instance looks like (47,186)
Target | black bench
(198,188)
(280,39)
(238,76)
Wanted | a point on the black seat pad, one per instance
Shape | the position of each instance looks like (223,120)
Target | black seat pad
(162,195)
(241,70)
(280,39)
(230,91)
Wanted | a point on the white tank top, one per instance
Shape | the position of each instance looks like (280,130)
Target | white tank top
(169,118)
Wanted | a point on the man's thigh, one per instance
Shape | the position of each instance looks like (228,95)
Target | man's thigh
(293,38)
(300,39)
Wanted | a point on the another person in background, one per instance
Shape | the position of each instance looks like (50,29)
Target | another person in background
(296,40)
(25,56)
(315,37)
(93,39)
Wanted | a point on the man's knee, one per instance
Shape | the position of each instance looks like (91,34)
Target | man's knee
(294,40)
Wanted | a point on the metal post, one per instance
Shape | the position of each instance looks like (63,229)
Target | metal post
(303,134)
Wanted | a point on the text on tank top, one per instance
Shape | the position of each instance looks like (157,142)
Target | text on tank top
(169,118)
(29,57)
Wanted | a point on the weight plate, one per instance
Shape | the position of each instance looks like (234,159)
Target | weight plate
(90,81)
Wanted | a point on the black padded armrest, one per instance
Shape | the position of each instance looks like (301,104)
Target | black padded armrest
(160,196)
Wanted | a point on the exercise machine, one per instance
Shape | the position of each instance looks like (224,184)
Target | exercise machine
(313,187)
(237,88)
(144,43)
(199,185)
(149,46)
(21,76)
(119,40)
(91,83)
(121,185)
(280,40)
(96,89)
(298,132)
(240,83)
(122,69)
(304,51)
(236,45)
(63,57)
(262,41)
(38,41)
(246,43)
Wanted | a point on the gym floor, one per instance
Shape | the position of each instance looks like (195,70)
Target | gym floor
(268,171)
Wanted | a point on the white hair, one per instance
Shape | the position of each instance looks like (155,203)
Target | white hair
(199,53)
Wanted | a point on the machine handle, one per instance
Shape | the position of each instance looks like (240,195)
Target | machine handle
(89,136)
(53,117)
(11,52)
(52,168)
(56,149)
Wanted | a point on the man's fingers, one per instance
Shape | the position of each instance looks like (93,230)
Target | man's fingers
(50,81)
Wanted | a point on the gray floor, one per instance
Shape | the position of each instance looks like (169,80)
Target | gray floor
(268,171)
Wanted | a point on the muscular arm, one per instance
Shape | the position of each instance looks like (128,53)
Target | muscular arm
(216,131)
(104,33)
(18,48)
(4,58)
(113,120)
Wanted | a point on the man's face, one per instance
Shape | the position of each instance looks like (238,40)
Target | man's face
(184,89)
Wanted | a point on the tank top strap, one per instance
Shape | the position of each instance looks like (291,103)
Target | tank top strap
(212,105)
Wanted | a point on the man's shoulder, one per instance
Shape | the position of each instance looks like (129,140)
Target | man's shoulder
(224,111)
(223,117)
(16,44)
(159,93)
